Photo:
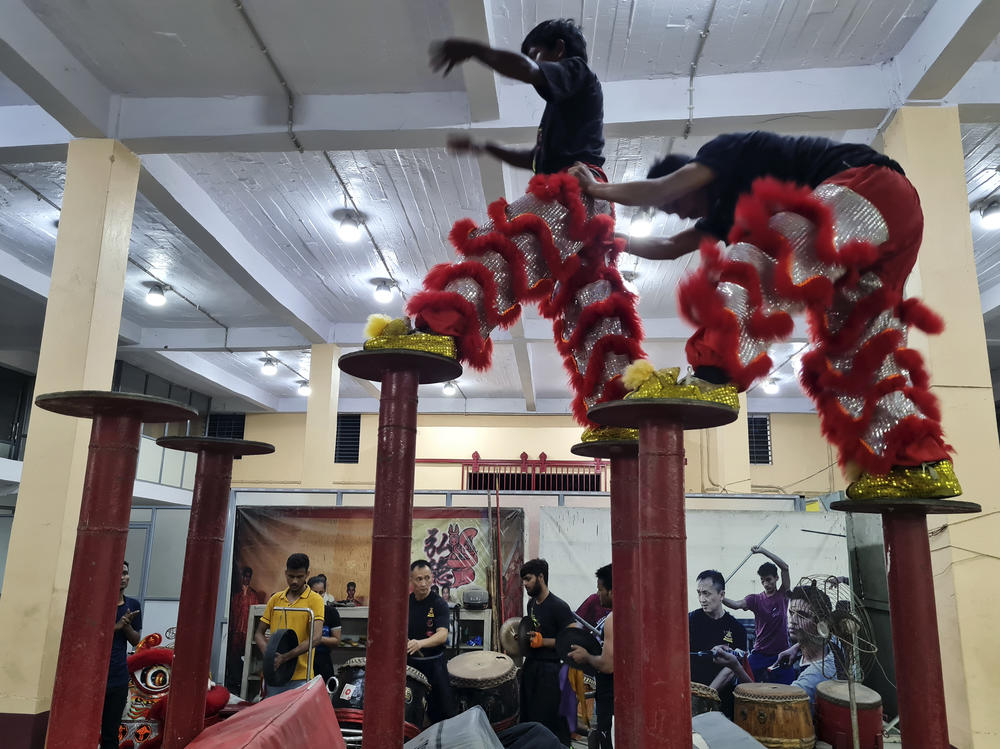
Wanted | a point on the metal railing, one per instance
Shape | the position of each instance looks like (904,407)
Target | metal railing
(526,474)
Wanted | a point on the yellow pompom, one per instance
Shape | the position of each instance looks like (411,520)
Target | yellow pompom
(399,326)
(637,373)
(376,324)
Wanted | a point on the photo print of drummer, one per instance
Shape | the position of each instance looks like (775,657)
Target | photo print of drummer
(540,683)
(427,633)
(604,664)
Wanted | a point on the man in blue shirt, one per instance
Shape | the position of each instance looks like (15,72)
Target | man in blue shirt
(128,625)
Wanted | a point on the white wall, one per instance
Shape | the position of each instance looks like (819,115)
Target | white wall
(576,541)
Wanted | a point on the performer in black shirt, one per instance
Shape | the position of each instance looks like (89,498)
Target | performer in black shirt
(540,691)
(604,697)
(548,247)
(427,631)
(829,229)
(322,654)
(709,626)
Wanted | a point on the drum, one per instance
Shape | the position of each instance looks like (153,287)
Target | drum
(777,715)
(704,699)
(487,679)
(349,698)
(833,715)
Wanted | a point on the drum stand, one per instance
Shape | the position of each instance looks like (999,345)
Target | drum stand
(662,692)
(400,372)
(915,644)
(185,717)
(77,701)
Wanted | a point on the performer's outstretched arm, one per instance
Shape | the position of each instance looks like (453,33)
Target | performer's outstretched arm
(520,158)
(451,52)
(667,248)
(658,193)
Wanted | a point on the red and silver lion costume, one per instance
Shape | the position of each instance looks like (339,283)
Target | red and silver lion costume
(554,247)
(841,254)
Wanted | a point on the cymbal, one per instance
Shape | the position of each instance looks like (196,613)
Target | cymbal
(282,641)
(508,635)
(571,636)
(524,630)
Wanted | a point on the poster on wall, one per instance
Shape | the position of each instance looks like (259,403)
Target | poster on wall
(459,543)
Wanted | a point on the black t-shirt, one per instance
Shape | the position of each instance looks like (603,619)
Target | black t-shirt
(118,666)
(322,661)
(740,158)
(549,617)
(426,617)
(572,127)
(704,633)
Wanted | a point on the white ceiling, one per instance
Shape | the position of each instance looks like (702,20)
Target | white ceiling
(240,224)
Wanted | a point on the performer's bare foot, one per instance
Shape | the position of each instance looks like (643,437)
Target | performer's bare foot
(382,332)
(926,481)
(645,382)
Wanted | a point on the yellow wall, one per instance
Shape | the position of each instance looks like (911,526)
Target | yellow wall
(798,451)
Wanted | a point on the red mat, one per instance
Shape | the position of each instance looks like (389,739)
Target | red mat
(301,717)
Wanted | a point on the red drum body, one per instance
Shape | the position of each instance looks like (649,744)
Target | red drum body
(833,715)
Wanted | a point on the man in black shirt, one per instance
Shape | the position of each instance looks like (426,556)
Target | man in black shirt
(709,626)
(604,664)
(128,625)
(322,653)
(540,689)
(829,229)
(549,247)
(428,632)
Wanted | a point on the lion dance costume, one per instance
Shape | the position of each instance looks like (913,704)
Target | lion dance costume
(554,247)
(840,253)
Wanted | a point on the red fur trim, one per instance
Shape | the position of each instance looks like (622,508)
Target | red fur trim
(215,699)
(472,348)
(584,384)
(864,365)
(911,360)
(858,254)
(618,305)
(914,312)
(770,327)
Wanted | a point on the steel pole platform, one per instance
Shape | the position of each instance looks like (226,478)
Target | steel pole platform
(200,580)
(626,631)
(85,646)
(916,649)
(400,372)
(663,696)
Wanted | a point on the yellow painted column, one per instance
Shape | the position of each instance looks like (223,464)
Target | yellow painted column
(927,142)
(726,455)
(79,344)
(321,417)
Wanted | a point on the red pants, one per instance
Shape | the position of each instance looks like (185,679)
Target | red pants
(552,247)
(841,254)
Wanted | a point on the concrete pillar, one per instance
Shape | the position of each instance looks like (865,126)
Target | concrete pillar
(727,464)
(79,344)
(927,142)
(321,417)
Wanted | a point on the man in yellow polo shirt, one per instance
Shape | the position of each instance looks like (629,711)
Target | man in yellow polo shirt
(297,595)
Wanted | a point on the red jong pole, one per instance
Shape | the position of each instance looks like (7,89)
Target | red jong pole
(385,677)
(200,581)
(85,647)
(663,696)
(625,579)
(916,649)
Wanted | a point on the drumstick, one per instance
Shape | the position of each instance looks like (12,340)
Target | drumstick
(759,543)
(587,624)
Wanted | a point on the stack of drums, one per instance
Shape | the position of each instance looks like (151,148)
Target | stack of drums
(348,697)
(833,715)
(487,679)
(704,699)
(777,715)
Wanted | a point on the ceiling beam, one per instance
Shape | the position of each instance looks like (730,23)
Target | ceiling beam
(192,210)
(471,19)
(220,339)
(522,356)
(16,272)
(947,43)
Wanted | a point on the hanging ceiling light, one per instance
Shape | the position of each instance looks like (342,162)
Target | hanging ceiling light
(628,280)
(304,389)
(383,292)
(770,386)
(349,229)
(155,297)
(269,368)
(989,215)
(450,388)
(641,224)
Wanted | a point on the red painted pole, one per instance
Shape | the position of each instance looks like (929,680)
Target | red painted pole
(391,532)
(199,586)
(627,592)
(916,649)
(88,628)
(664,694)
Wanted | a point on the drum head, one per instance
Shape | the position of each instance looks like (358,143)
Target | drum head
(524,630)
(767,692)
(571,636)
(508,636)
(482,667)
(282,641)
(838,693)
